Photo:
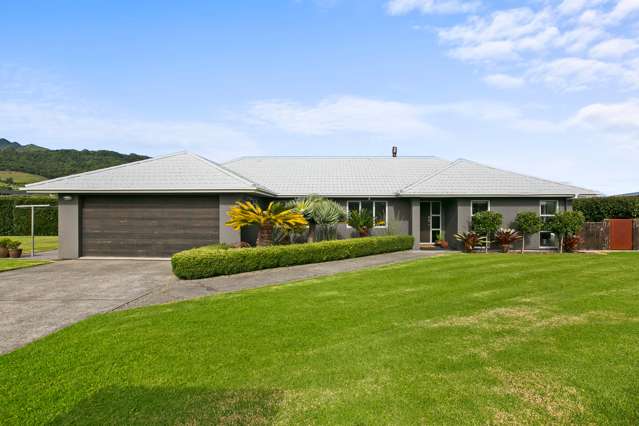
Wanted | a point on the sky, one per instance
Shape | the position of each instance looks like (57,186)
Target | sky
(547,88)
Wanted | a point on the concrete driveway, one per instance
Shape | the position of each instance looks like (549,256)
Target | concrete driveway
(37,301)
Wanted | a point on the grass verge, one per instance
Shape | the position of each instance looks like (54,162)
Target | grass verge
(466,339)
(42,243)
(11,264)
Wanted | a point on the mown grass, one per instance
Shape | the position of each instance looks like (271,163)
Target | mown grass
(42,243)
(7,264)
(462,339)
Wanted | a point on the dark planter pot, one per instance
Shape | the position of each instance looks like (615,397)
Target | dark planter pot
(364,232)
(4,252)
(15,253)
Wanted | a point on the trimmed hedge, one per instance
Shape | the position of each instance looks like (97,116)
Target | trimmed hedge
(598,209)
(18,221)
(211,261)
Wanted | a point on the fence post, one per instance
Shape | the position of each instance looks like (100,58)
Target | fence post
(635,235)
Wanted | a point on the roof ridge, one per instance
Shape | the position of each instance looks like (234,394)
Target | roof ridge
(376,157)
(427,177)
(90,172)
(232,173)
(529,176)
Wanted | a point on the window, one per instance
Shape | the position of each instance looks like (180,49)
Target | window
(435,220)
(547,209)
(477,206)
(379,210)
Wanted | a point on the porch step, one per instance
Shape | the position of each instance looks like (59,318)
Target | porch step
(427,246)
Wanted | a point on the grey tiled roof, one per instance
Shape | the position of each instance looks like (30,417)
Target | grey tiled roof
(181,172)
(336,176)
(300,176)
(464,177)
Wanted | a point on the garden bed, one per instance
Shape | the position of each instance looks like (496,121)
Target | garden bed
(211,261)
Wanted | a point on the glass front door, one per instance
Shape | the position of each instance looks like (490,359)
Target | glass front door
(431,221)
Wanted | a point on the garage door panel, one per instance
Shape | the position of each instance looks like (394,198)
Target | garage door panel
(147,226)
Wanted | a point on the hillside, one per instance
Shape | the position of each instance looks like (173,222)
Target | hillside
(52,163)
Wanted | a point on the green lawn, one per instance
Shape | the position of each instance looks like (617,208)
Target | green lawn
(10,264)
(460,339)
(44,243)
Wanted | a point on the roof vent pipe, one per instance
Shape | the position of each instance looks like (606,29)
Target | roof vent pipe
(394,152)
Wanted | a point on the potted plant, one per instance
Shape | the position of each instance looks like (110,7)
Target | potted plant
(470,240)
(527,223)
(14,248)
(440,241)
(506,237)
(362,221)
(4,249)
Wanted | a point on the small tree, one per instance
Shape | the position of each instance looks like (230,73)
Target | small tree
(487,223)
(566,224)
(275,215)
(527,223)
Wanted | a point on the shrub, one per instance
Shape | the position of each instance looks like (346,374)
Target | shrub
(527,223)
(572,242)
(206,262)
(506,237)
(362,220)
(247,213)
(470,240)
(600,208)
(487,223)
(565,224)
(18,221)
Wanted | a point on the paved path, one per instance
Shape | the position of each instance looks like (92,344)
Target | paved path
(36,301)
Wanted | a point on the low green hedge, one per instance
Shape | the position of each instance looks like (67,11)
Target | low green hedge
(211,261)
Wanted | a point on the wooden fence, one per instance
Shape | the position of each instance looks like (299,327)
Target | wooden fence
(596,235)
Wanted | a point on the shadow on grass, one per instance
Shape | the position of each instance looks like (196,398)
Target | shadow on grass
(174,406)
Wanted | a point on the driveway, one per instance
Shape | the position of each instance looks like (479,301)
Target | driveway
(36,301)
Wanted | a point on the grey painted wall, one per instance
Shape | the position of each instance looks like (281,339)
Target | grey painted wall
(68,227)
(508,207)
(399,218)
(227,234)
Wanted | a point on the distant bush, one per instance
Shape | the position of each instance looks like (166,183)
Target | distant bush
(211,261)
(600,208)
(18,221)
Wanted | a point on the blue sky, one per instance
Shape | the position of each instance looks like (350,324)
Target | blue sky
(544,88)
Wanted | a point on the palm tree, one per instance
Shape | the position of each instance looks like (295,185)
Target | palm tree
(275,215)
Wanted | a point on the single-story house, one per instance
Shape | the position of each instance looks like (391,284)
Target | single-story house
(155,207)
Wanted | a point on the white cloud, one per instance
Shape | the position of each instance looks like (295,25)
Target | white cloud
(573,73)
(344,114)
(402,7)
(504,81)
(623,116)
(614,48)
(575,45)
(53,124)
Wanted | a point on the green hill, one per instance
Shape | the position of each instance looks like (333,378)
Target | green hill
(52,163)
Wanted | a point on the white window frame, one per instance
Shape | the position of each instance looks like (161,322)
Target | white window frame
(359,203)
(542,216)
(441,219)
(472,213)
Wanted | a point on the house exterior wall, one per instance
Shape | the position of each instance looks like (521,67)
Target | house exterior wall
(227,234)
(68,226)
(398,217)
(508,207)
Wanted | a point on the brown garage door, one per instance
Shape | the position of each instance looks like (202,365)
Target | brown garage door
(147,225)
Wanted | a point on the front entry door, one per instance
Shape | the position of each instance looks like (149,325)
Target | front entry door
(430,221)
(424,222)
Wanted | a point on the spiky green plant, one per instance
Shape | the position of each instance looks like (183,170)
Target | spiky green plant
(275,215)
